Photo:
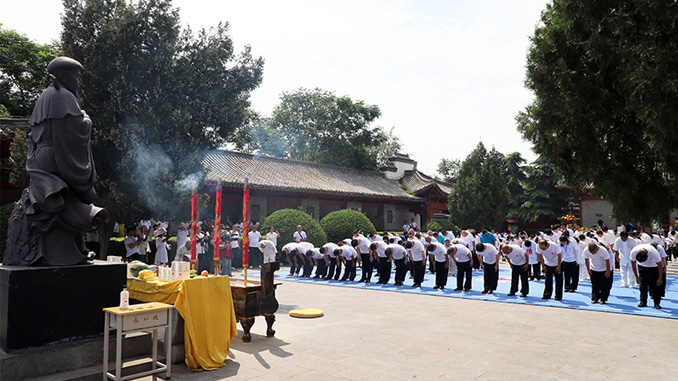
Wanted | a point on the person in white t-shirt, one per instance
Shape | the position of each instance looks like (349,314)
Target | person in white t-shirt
(273,235)
(438,253)
(489,258)
(570,266)
(398,256)
(290,251)
(304,255)
(597,260)
(378,250)
(550,258)
(463,258)
(299,235)
(417,255)
(334,267)
(255,256)
(348,257)
(649,268)
(518,259)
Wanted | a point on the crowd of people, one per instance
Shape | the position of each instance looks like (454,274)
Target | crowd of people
(562,256)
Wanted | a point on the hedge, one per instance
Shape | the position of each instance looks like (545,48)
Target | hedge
(340,224)
(286,221)
(441,224)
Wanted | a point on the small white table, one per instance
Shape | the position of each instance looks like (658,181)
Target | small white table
(138,317)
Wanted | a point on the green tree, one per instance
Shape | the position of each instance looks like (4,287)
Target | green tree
(544,195)
(480,196)
(22,71)
(159,97)
(605,79)
(313,125)
(449,169)
(514,174)
(390,145)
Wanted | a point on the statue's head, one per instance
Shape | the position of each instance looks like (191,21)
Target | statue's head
(67,72)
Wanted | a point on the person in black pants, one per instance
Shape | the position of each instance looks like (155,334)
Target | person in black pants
(518,260)
(463,257)
(438,254)
(398,255)
(489,257)
(417,255)
(550,258)
(348,258)
(648,272)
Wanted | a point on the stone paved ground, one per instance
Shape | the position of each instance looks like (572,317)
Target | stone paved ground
(373,335)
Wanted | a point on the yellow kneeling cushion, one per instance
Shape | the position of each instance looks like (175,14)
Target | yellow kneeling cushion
(306,313)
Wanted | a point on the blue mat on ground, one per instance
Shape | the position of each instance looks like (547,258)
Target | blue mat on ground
(622,300)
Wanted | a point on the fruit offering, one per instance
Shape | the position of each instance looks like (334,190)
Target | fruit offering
(147,274)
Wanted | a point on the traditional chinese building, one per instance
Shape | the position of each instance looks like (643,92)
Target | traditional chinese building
(387,198)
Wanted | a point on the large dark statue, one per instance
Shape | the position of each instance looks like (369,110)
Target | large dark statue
(47,225)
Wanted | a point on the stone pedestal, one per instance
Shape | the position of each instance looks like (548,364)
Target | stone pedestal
(42,305)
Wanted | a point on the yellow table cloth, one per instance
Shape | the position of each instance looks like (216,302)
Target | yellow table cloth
(206,304)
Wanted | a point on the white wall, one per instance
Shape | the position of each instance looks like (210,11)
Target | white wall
(594,210)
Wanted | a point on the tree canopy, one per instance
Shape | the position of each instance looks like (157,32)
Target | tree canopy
(321,127)
(158,97)
(480,196)
(543,194)
(605,79)
(22,71)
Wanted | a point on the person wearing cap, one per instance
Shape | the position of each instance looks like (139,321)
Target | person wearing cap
(597,260)
(161,257)
(647,272)
(518,260)
(489,258)
(438,255)
(550,258)
(570,266)
(622,250)
(463,257)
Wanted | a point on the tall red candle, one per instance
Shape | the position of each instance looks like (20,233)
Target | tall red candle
(194,228)
(245,225)
(217,223)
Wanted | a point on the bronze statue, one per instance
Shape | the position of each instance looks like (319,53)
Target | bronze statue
(47,225)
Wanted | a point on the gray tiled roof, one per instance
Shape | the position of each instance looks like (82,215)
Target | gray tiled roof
(266,173)
(418,182)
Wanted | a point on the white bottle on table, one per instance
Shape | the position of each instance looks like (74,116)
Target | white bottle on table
(124,300)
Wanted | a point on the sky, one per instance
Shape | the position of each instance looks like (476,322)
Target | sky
(446,74)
